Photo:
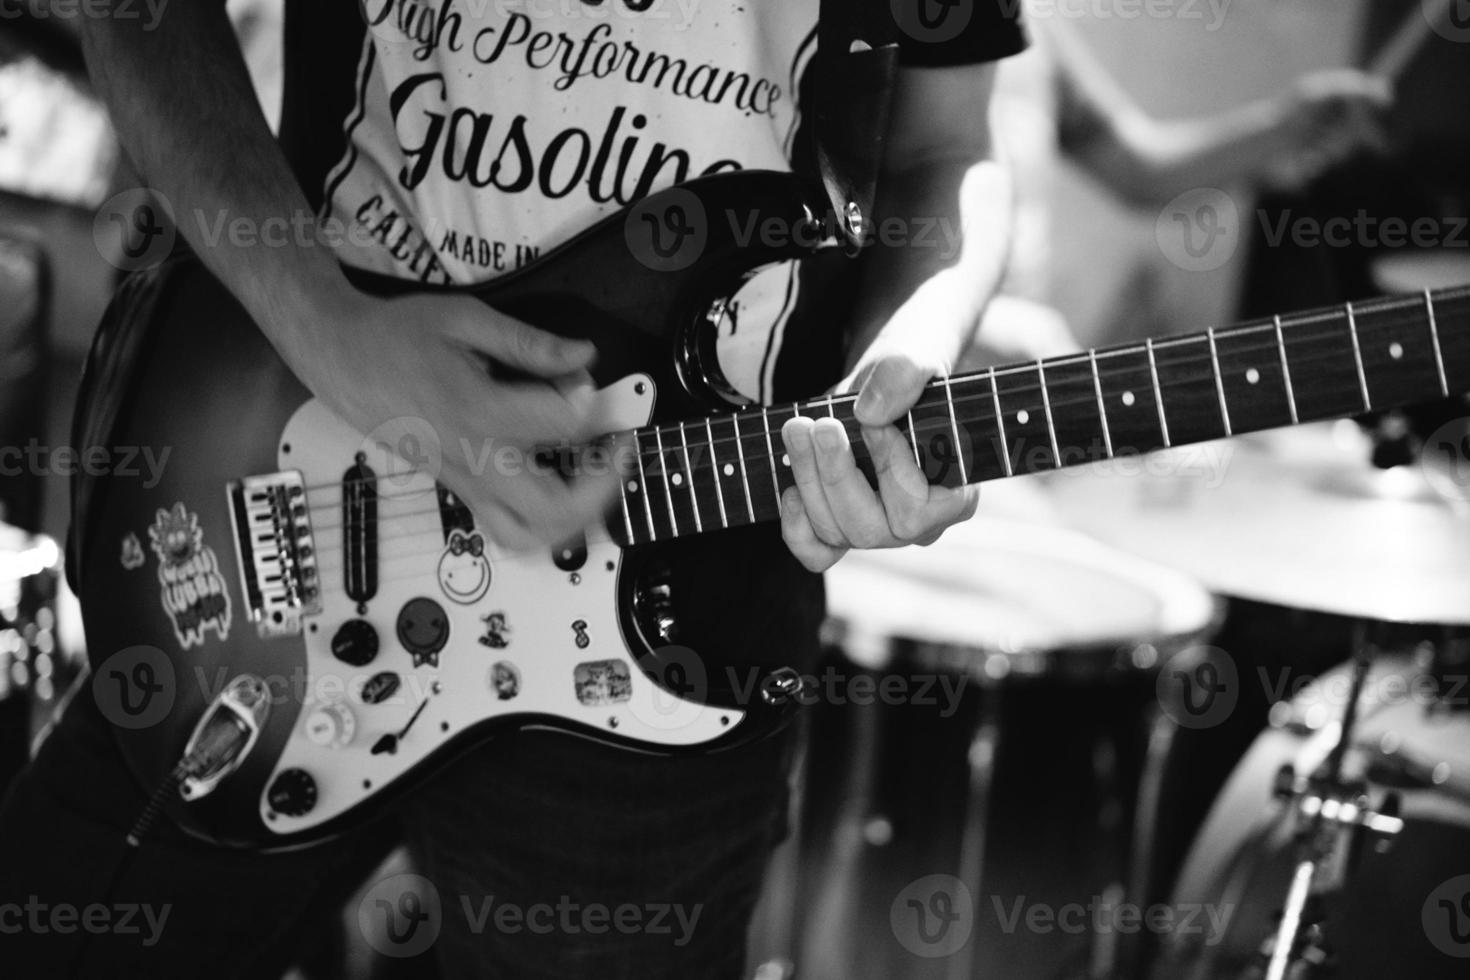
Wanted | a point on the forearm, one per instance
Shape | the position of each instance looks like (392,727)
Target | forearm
(939,253)
(1150,161)
(186,113)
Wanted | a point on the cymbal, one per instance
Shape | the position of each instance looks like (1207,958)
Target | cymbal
(1298,518)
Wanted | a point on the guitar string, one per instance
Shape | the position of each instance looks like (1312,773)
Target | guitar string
(335,549)
(814,406)
(707,469)
(1204,373)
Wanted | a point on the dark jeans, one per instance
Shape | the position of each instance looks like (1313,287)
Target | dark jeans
(536,855)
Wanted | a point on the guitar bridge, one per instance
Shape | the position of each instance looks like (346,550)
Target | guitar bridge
(275,550)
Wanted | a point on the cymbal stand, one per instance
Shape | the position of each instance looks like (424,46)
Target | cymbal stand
(1332,813)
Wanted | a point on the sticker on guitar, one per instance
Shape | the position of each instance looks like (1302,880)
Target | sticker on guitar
(464,570)
(194,596)
(132,553)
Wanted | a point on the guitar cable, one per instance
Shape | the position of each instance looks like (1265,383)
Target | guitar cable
(218,745)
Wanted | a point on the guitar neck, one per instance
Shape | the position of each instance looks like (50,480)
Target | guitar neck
(729,470)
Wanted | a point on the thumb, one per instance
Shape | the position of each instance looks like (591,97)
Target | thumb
(891,387)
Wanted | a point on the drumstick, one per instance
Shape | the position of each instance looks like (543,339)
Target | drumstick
(1410,37)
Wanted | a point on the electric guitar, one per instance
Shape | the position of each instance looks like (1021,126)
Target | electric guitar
(296,620)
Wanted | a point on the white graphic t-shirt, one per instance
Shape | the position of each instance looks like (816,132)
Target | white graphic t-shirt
(489,131)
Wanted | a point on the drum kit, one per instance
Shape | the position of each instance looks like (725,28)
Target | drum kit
(1339,846)
(32,666)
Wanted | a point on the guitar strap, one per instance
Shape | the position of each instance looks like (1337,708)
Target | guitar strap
(856,65)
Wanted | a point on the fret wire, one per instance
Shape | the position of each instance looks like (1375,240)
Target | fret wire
(744,474)
(1153,371)
(668,487)
(954,431)
(1444,386)
(1358,358)
(643,484)
(1000,424)
(1219,382)
(831,408)
(1102,409)
(714,462)
(771,451)
(1286,371)
(1051,429)
(914,441)
(689,477)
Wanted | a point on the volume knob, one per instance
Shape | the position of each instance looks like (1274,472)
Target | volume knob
(356,643)
(292,793)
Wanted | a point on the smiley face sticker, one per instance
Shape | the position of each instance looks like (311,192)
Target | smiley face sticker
(464,568)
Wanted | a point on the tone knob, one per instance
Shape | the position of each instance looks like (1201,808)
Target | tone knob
(331,726)
(292,793)
(356,643)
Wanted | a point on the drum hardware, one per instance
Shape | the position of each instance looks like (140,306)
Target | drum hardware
(1331,816)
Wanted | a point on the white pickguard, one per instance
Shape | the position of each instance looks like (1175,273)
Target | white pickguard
(539,603)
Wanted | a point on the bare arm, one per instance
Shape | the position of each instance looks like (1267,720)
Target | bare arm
(948,202)
(186,113)
(1284,140)
(943,232)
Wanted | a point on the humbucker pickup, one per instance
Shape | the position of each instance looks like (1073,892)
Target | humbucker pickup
(276,552)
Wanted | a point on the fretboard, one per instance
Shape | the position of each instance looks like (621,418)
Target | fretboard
(729,470)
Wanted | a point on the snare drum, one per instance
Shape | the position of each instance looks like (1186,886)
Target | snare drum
(1049,639)
(1001,600)
(1403,911)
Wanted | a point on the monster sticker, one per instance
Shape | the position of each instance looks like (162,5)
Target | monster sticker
(194,593)
(132,553)
(464,571)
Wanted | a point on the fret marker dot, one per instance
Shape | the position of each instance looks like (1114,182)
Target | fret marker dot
(1252,376)
(729,469)
(1128,398)
(1395,350)
(632,486)
(1022,417)
(677,479)
(785,459)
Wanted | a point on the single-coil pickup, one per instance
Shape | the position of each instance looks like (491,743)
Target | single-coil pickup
(360,532)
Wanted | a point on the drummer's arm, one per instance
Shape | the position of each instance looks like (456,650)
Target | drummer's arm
(1317,120)
(942,234)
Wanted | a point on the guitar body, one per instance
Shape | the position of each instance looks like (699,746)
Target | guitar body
(289,620)
(314,588)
